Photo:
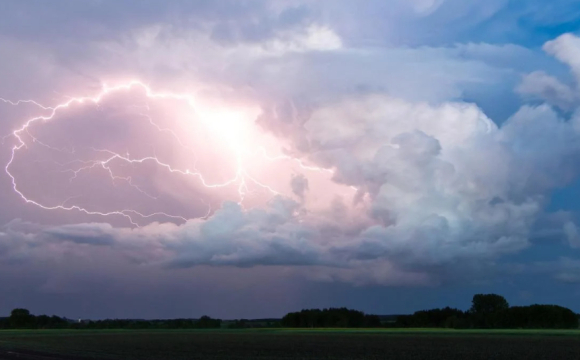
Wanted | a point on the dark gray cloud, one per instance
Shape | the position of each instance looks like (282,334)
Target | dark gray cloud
(81,234)
(299,184)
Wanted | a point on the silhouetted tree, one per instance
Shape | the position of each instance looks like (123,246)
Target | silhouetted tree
(21,318)
(488,303)
(486,310)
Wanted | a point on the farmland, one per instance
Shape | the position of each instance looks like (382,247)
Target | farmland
(290,344)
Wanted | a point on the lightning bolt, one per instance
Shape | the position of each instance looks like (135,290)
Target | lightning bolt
(241,177)
(16,103)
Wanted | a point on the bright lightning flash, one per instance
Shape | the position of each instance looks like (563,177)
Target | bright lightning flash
(232,127)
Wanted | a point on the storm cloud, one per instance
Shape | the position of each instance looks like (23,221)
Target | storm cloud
(304,142)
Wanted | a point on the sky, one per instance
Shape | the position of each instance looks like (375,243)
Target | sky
(245,159)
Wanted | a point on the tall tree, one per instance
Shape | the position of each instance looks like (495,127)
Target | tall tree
(487,309)
(21,318)
(488,303)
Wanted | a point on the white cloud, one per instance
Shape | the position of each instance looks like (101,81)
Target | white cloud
(566,48)
(313,38)
(539,85)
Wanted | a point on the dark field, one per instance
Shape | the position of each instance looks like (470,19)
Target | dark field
(242,344)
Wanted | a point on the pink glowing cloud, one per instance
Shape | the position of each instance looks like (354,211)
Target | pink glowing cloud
(155,146)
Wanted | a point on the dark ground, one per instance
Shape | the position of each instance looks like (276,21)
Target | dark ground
(263,345)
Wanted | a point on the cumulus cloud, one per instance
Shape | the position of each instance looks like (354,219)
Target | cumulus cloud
(566,48)
(541,86)
(436,185)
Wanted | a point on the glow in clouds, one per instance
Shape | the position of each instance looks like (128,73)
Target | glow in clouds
(243,147)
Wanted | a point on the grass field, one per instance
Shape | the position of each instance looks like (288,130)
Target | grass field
(293,344)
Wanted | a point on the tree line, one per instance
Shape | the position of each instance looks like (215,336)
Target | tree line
(491,311)
(488,311)
(332,317)
(23,319)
